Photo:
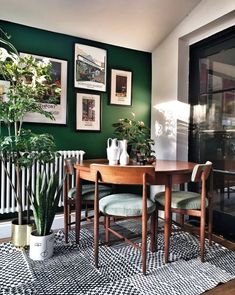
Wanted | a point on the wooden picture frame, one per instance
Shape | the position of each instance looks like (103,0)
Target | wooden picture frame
(88,112)
(90,67)
(59,110)
(121,87)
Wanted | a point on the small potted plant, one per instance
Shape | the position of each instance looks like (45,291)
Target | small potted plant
(138,136)
(144,151)
(44,202)
(29,82)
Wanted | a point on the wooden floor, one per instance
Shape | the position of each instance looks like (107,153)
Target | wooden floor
(223,289)
(228,288)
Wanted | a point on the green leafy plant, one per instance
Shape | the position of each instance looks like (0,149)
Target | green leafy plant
(45,201)
(30,83)
(137,134)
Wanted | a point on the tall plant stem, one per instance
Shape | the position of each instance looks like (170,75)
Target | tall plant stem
(9,177)
(16,129)
(18,179)
(19,195)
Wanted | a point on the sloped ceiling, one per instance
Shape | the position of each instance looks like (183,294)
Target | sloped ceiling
(136,24)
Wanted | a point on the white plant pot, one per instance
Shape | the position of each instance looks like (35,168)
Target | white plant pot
(41,247)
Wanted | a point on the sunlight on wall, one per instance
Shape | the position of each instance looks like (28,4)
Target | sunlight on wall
(167,115)
(169,118)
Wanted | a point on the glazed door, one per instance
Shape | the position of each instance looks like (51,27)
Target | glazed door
(212,120)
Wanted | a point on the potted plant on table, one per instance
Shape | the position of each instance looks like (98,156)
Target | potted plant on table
(44,202)
(29,82)
(138,136)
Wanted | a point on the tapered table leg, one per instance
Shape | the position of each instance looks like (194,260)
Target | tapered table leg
(78,206)
(167,213)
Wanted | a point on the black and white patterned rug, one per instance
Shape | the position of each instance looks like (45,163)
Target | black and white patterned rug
(71,270)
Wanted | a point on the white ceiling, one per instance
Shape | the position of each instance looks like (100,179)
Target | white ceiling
(136,24)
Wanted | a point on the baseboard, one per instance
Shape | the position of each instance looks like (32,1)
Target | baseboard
(5,226)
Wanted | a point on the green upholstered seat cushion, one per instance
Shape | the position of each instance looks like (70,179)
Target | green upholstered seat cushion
(88,192)
(124,204)
(181,200)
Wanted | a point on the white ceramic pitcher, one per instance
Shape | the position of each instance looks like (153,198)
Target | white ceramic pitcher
(113,151)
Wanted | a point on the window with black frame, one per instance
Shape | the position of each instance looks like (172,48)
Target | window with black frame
(212,120)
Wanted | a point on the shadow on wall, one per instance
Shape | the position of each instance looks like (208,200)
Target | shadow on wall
(165,125)
(165,133)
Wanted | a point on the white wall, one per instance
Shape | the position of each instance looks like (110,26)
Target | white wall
(170,111)
(170,69)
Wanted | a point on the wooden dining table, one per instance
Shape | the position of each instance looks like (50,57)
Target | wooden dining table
(167,172)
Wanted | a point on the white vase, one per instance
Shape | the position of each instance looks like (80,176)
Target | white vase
(124,157)
(113,151)
(41,247)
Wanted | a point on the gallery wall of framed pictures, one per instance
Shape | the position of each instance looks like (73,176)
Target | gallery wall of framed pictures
(90,73)
(108,81)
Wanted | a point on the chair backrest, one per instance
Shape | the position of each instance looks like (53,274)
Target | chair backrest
(201,170)
(69,165)
(129,175)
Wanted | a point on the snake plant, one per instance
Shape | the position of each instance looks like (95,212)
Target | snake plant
(45,201)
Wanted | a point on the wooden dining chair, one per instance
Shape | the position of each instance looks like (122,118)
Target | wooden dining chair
(88,195)
(124,205)
(192,203)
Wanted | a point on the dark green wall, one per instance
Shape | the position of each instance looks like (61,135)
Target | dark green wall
(45,43)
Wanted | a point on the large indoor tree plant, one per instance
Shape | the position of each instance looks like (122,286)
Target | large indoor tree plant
(30,82)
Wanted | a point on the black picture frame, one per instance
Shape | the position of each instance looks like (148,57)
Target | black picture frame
(90,67)
(88,112)
(121,87)
(59,77)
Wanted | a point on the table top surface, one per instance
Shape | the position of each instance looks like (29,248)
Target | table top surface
(161,166)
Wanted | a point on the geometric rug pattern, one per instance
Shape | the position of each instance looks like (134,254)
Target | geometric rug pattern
(71,269)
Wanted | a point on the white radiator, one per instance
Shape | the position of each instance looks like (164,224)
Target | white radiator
(7,198)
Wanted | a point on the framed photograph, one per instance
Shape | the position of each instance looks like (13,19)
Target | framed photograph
(121,84)
(90,67)
(59,110)
(88,112)
(4,85)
